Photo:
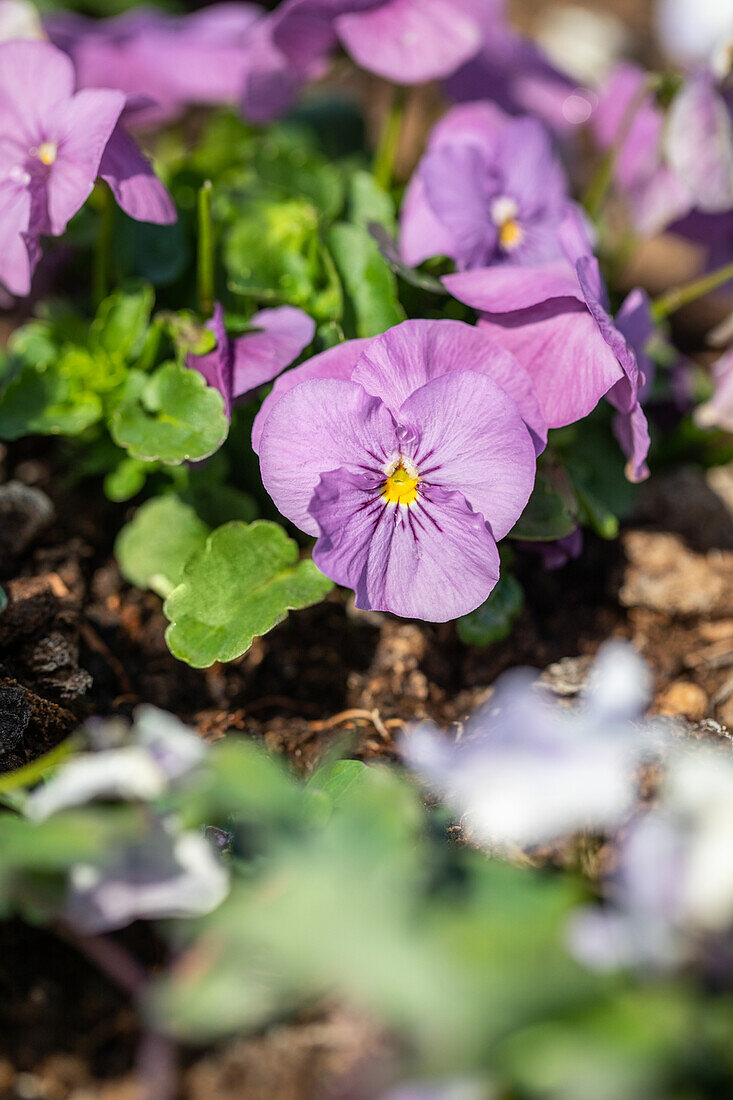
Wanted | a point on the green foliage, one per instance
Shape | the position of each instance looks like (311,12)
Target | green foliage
(171,416)
(549,513)
(239,586)
(153,549)
(369,283)
(493,620)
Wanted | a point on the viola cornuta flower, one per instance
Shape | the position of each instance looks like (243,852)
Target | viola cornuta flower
(717,411)
(238,366)
(406,41)
(490,189)
(54,144)
(406,464)
(554,318)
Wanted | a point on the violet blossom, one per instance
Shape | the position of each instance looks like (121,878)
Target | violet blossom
(673,887)
(406,460)
(529,770)
(513,72)
(717,411)
(405,41)
(174,61)
(237,366)
(54,144)
(490,189)
(167,871)
(554,318)
(671,163)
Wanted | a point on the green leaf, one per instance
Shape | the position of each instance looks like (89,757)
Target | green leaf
(158,253)
(390,253)
(595,465)
(43,400)
(367,279)
(284,163)
(172,416)
(126,480)
(370,203)
(547,516)
(121,324)
(3,600)
(494,619)
(242,584)
(269,253)
(154,547)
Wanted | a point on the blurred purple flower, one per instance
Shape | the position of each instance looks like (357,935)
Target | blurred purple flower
(559,552)
(238,366)
(668,164)
(673,885)
(554,318)
(54,144)
(406,41)
(407,492)
(513,72)
(175,61)
(528,770)
(717,411)
(490,189)
(437,347)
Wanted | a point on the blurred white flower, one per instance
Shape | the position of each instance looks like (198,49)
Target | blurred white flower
(692,31)
(529,770)
(19,19)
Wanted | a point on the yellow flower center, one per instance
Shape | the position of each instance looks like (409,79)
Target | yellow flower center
(47,152)
(510,234)
(400,486)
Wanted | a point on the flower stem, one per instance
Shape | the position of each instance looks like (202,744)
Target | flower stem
(205,259)
(389,140)
(600,185)
(680,296)
(102,262)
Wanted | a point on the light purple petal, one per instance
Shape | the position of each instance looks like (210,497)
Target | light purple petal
(504,289)
(433,560)
(458,186)
(699,144)
(469,436)
(321,425)
(271,78)
(260,356)
(34,77)
(336,362)
(133,182)
(216,365)
(409,355)
(16,268)
(634,321)
(561,348)
(422,235)
(632,433)
(718,411)
(531,170)
(410,41)
(81,127)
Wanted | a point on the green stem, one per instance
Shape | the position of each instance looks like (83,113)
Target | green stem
(205,260)
(389,140)
(103,250)
(600,185)
(680,296)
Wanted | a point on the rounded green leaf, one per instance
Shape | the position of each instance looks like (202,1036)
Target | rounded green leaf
(494,619)
(172,416)
(154,547)
(239,586)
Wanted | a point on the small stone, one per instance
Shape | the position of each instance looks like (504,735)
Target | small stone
(24,513)
(683,698)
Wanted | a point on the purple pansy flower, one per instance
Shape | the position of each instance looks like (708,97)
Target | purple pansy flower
(669,164)
(717,412)
(554,318)
(490,189)
(408,466)
(175,61)
(406,41)
(512,71)
(53,145)
(238,366)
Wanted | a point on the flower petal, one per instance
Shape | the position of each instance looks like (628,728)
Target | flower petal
(81,127)
(216,365)
(337,362)
(561,348)
(470,436)
(260,356)
(434,560)
(16,268)
(699,144)
(34,78)
(411,354)
(505,288)
(133,182)
(320,425)
(410,41)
